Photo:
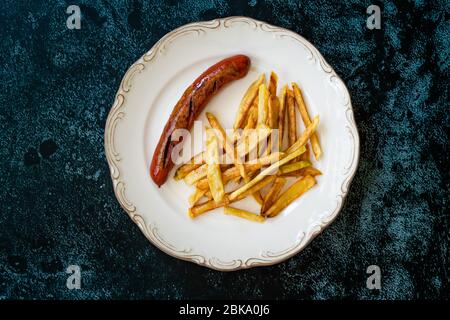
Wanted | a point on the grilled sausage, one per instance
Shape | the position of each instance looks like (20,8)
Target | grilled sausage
(190,105)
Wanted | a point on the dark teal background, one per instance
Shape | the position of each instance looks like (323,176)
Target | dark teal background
(57,202)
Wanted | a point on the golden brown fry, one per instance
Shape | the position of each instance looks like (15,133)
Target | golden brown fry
(210,205)
(252,140)
(272,194)
(195,162)
(227,176)
(272,121)
(233,172)
(196,174)
(184,170)
(294,151)
(306,156)
(263,100)
(273,80)
(292,119)
(309,131)
(306,120)
(199,209)
(281,116)
(208,195)
(243,214)
(231,151)
(298,145)
(308,171)
(250,123)
(292,193)
(225,143)
(214,174)
(271,170)
(266,160)
(200,173)
(252,118)
(247,101)
(193,198)
(291,167)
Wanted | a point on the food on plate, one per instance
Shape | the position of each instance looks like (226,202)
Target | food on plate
(193,164)
(308,171)
(211,204)
(281,116)
(247,101)
(271,170)
(190,105)
(263,107)
(306,120)
(292,120)
(250,166)
(272,194)
(197,195)
(295,166)
(257,162)
(292,193)
(243,214)
(213,174)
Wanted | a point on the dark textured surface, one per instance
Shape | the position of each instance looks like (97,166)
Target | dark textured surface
(57,203)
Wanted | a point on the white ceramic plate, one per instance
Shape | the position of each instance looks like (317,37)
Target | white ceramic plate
(147,94)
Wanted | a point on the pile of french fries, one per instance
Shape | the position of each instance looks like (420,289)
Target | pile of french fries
(273,178)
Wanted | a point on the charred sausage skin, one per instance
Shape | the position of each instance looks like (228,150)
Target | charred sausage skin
(190,105)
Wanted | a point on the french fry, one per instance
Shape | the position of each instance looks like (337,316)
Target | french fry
(233,172)
(197,210)
(293,151)
(243,214)
(272,121)
(250,123)
(273,107)
(263,100)
(196,174)
(292,193)
(227,176)
(271,170)
(309,131)
(273,81)
(214,174)
(200,173)
(308,171)
(208,195)
(266,160)
(252,140)
(307,155)
(225,142)
(272,194)
(247,101)
(252,118)
(292,120)
(260,112)
(290,167)
(195,162)
(281,116)
(306,120)
(193,198)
